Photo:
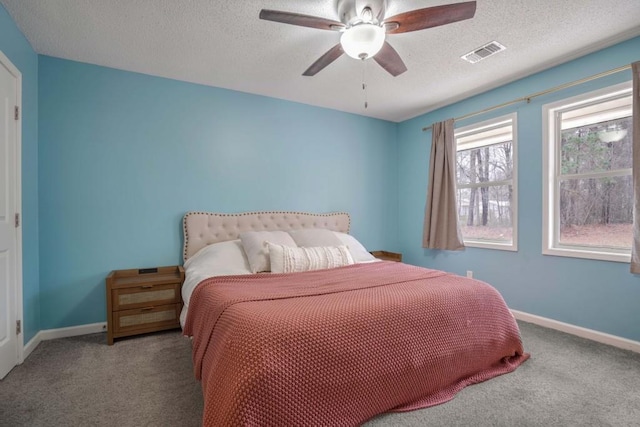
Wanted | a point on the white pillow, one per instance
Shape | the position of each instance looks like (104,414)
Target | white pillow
(287,259)
(225,258)
(359,252)
(218,259)
(254,246)
(314,237)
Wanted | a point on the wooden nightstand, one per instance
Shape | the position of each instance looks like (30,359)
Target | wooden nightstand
(143,300)
(387,256)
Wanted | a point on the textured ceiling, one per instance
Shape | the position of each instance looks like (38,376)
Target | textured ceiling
(224,44)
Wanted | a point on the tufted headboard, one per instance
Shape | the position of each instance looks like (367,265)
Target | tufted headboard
(204,228)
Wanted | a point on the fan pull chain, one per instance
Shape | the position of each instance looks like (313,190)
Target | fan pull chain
(364,84)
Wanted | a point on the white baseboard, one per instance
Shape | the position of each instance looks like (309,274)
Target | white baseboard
(590,334)
(50,334)
(30,346)
(73,331)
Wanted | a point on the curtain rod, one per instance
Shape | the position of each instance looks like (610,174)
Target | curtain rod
(544,92)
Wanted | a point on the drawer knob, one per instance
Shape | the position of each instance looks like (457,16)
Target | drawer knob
(146,286)
(147,308)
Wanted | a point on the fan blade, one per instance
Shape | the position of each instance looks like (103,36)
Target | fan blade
(389,59)
(326,59)
(301,20)
(430,17)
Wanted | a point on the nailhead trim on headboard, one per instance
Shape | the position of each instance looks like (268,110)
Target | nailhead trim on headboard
(205,228)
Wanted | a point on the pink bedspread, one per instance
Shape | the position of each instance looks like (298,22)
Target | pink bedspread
(337,347)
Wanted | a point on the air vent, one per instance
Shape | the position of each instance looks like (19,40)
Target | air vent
(485,51)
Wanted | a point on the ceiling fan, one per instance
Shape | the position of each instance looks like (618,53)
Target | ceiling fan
(363,36)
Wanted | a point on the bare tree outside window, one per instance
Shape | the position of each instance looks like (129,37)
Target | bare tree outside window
(485,182)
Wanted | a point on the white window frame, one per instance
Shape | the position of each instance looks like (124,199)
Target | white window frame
(511,118)
(551,183)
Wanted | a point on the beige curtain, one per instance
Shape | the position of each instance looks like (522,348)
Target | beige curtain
(441,230)
(635,247)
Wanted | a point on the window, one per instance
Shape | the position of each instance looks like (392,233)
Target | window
(486,183)
(588,188)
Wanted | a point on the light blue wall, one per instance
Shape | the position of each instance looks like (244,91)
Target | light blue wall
(598,295)
(123,156)
(16,47)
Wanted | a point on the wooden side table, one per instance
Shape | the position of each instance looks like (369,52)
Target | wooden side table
(387,256)
(143,300)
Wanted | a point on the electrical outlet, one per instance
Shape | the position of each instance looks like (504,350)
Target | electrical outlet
(470,274)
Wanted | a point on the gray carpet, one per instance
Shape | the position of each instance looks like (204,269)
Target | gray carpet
(148,381)
(81,381)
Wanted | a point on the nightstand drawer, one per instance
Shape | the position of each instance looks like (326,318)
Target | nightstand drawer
(147,318)
(145,295)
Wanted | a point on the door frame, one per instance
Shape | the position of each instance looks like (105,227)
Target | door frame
(13,70)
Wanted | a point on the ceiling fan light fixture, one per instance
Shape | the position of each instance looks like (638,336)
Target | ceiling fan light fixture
(362,41)
(364,32)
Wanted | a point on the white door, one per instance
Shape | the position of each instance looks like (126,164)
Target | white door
(8,230)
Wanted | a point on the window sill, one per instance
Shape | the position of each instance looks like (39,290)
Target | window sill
(588,254)
(512,247)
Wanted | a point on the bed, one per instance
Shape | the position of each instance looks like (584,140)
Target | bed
(331,336)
